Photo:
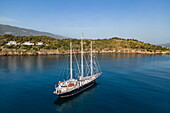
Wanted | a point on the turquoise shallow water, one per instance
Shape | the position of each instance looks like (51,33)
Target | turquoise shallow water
(129,84)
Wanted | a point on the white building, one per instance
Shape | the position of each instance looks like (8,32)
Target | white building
(27,43)
(12,43)
(40,43)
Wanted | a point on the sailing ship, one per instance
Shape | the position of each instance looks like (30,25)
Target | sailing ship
(73,85)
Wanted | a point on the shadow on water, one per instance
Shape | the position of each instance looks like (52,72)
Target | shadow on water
(65,102)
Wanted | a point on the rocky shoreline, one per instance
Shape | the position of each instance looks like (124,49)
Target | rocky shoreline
(13,52)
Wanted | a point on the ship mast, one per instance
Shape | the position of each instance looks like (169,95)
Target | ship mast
(91,59)
(71,64)
(82,68)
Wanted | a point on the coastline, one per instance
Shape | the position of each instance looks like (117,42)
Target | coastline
(57,52)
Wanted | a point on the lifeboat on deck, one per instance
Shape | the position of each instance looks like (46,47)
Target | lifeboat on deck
(60,82)
(70,85)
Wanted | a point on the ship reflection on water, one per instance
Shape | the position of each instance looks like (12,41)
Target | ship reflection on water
(64,103)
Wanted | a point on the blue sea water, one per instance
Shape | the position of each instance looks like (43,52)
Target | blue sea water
(130,83)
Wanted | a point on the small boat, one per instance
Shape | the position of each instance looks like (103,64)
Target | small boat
(73,86)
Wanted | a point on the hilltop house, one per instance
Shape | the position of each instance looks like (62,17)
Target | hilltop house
(25,43)
(28,43)
(12,43)
(40,43)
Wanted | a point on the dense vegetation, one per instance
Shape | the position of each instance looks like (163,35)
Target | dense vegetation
(62,45)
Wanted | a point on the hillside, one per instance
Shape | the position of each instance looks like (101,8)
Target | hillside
(49,45)
(16,31)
